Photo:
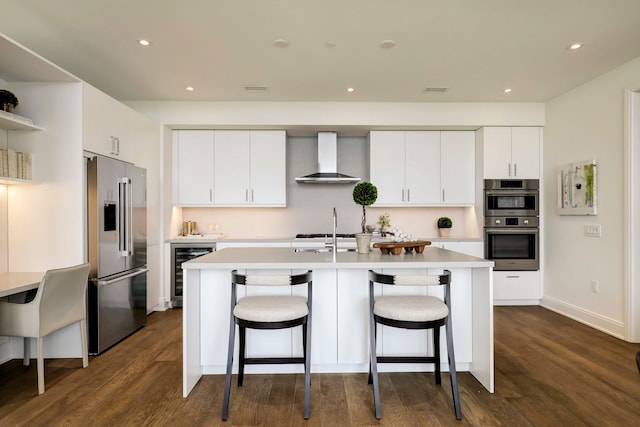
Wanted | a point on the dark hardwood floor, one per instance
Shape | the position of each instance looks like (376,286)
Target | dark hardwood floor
(550,371)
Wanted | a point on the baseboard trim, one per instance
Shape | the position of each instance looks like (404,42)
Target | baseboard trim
(579,314)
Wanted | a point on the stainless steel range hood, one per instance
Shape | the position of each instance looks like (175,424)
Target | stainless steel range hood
(327,163)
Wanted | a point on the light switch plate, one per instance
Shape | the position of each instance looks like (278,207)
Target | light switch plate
(592,230)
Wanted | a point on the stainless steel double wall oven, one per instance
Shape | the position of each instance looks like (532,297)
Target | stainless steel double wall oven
(511,223)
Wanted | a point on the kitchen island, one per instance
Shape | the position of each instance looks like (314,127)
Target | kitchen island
(340,311)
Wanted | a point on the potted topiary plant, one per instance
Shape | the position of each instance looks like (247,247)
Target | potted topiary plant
(8,100)
(364,194)
(444,226)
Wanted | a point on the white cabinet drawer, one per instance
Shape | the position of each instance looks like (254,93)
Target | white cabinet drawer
(514,286)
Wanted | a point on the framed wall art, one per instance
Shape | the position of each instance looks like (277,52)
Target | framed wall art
(577,188)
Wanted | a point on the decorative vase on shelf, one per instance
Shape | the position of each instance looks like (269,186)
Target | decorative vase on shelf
(363,242)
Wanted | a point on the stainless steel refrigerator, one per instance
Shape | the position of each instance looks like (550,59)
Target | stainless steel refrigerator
(117,251)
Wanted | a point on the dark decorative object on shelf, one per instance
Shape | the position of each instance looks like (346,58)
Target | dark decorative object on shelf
(8,100)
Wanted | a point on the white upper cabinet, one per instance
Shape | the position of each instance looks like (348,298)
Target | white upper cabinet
(250,168)
(268,168)
(193,156)
(230,168)
(511,152)
(458,171)
(108,126)
(423,168)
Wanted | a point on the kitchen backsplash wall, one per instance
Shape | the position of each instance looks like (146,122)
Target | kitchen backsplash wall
(309,206)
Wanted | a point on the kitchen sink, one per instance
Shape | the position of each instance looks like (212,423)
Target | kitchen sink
(324,250)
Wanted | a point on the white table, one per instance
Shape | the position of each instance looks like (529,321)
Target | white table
(16,282)
(340,307)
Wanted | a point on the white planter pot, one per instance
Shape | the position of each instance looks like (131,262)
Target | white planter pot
(363,242)
(444,232)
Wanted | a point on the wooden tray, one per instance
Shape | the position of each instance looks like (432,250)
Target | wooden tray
(395,248)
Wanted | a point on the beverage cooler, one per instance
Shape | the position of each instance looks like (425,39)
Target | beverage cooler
(183,252)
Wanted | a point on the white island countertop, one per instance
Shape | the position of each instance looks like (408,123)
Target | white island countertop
(340,327)
(277,258)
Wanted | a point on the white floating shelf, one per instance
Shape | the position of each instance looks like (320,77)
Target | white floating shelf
(9,122)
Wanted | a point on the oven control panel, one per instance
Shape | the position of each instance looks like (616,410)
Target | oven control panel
(515,221)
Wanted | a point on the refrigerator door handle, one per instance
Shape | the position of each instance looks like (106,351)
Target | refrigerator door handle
(124,217)
(119,278)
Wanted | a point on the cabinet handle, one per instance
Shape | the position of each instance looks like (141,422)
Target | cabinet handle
(443,198)
(211,195)
(515,169)
(118,146)
(246,195)
(509,169)
(513,277)
(403,194)
(408,194)
(113,145)
(252,195)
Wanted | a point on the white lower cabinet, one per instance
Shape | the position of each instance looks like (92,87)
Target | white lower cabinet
(517,287)
(475,249)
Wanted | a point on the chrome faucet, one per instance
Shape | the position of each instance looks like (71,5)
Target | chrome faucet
(335,225)
(334,242)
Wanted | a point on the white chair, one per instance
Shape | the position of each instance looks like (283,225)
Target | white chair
(61,300)
(412,312)
(269,312)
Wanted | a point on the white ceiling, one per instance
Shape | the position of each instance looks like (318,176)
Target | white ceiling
(475,48)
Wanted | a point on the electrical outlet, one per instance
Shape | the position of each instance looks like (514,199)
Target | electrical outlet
(592,230)
(594,286)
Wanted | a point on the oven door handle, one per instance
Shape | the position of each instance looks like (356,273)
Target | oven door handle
(512,230)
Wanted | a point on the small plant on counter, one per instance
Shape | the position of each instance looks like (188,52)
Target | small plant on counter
(444,222)
(365,194)
(444,226)
(385,222)
(8,100)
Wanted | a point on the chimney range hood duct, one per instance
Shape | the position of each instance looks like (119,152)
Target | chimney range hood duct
(327,163)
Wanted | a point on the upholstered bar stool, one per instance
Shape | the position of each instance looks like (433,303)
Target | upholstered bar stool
(412,312)
(268,312)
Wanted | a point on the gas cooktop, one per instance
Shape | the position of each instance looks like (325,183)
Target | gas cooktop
(325,236)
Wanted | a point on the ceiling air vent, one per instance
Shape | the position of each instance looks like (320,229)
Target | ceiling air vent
(436,89)
(255,88)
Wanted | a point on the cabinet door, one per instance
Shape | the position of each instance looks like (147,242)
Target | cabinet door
(387,166)
(195,166)
(525,152)
(232,167)
(517,287)
(422,160)
(108,127)
(497,152)
(458,172)
(268,168)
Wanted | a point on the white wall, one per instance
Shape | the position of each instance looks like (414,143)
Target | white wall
(588,122)
(46,220)
(312,116)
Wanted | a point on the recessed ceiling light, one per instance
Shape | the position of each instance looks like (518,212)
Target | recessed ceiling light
(330,44)
(507,90)
(387,44)
(350,89)
(575,46)
(436,89)
(189,88)
(144,42)
(255,88)
(280,43)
